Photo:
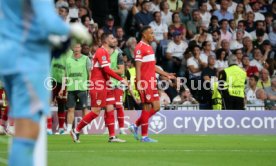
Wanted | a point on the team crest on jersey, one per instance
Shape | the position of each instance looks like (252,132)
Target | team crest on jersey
(148,97)
(138,52)
(99,102)
(104,58)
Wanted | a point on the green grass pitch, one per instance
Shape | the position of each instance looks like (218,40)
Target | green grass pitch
(171,150)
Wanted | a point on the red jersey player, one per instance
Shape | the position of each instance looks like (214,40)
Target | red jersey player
(101,94)
(146,83)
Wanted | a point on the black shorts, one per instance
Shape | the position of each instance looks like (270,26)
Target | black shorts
(75,97)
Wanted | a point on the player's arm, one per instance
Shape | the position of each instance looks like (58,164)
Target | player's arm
(163,73)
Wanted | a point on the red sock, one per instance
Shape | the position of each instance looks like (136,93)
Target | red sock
(121,117)
(110,122)
(5,114)
(85,120)
(61,119)
(152,112)
(49,123)
(144,122)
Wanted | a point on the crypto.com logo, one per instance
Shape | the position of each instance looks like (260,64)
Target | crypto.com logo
(158,123)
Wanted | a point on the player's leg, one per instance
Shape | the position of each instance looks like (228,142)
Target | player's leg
(29,100)
(71,104)
(61,103)
(83,97)
(120,109)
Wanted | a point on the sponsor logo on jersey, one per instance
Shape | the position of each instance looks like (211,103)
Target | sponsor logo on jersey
(148,97)
(99,102)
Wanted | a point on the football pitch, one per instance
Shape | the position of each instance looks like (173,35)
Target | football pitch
(171,150)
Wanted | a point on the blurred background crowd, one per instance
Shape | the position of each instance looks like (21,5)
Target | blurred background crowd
(193,38)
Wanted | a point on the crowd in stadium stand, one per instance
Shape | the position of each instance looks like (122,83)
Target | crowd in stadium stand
(193,38)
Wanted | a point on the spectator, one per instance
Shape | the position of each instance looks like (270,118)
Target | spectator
(271,91)
(137,8)
(207,49)
(86,21)
(250,91)
(175,5)
(73,9)
(85,50)
(109,25)
(174,53)
(184,98)
(164,98)
(270,55)
(223,12)
(242,26)
(240,13)
(232,6)
(250,23)
(194,24)
(225,34)
(84,11)
(239,55)
(237,42)
(232,26)
(269,22)
(259,25)
(193,4)
(166,14)
(155,6)
(120,35)
(255,5)
(130,46)
(125,7)
(216,40)
(261,97)
(258,59)
(63,12)
(177,25)
(62,3)
(204,13)
(221,62)
(272,35)
(264,80)
(260,39)
(247,5)
(160,30)
(196,63)
(144,17)
(214,24)
(226,46)
(248,47)
(206,75)
(202,36)
(185,14)
(250,70)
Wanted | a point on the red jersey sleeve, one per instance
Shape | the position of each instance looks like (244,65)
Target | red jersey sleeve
(102,58)
(138,53)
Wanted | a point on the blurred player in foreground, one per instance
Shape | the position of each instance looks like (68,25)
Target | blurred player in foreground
(146,83)
(102,95)
(26,26)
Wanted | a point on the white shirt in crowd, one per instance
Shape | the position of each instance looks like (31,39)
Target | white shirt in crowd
(254,37)
(220,64)
(167,18)
(232,8)
(194,62)
(154,8)
(259,16)
(256,63)
(73,12)
(128,3)
(206,18)
(177,50)
(159,30)
(246,34)
(251,95)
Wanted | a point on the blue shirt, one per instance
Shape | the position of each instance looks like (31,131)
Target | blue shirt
(143,18)
(25,28)
(228,16)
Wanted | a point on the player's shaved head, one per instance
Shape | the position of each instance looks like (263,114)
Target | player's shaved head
(144,29)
